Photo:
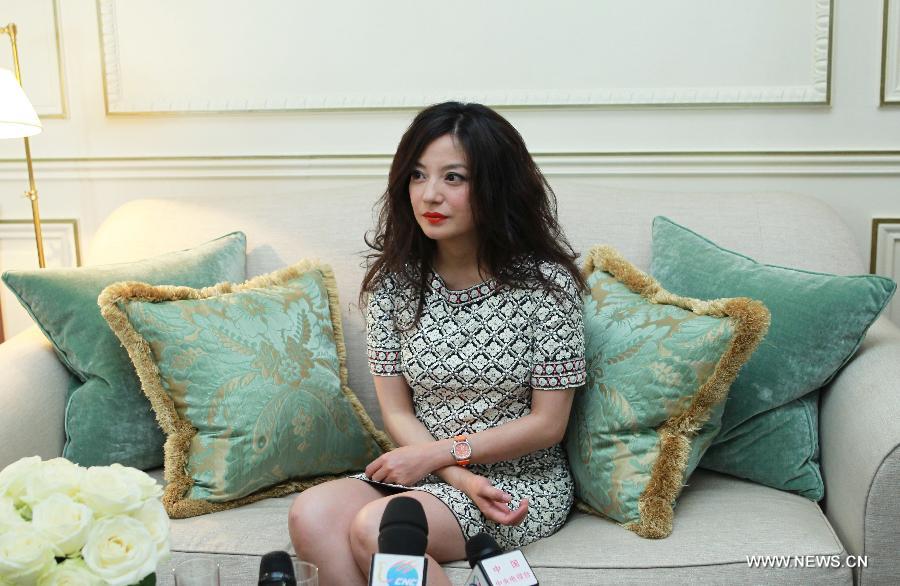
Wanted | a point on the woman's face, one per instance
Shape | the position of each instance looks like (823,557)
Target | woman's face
(439,193)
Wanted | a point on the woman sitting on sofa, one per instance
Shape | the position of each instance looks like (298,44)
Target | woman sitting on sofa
(476,343)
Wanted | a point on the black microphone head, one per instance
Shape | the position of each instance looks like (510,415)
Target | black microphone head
(404,528)
(481,546)
(276,567)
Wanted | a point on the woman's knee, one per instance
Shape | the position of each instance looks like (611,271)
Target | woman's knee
(364,530)
(310,516)
(324,513)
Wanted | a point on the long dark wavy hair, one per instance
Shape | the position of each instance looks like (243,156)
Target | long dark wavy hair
(513,206)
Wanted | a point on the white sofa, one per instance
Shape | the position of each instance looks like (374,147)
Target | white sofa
(720,520)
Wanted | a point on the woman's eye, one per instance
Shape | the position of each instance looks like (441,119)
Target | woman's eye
(416,175)
(454,177)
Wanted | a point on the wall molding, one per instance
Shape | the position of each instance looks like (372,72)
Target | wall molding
(62,243)
(686,163)
(890,54)
(62,249)
(885,251)
(885,239)
(50,106)
(60,68)
(814,91)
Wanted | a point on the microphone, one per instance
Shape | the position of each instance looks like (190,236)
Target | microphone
(276,569)
(480,547)
(402,539)
(491,567)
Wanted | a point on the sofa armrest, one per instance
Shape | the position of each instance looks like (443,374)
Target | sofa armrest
(33,388)
(860,451)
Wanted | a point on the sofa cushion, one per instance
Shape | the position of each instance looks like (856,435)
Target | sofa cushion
(248,382)
(108,419)
(770,424)
(721,520)
(659,367)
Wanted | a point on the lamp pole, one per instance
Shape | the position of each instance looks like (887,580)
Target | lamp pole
(32,193)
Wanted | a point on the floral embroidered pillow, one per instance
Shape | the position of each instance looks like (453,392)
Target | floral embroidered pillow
(249,384)
(658,369)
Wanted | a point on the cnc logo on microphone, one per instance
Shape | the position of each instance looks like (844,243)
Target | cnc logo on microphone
(397,573)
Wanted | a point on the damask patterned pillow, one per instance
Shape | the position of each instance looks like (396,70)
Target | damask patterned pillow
(248,382)
(659,367)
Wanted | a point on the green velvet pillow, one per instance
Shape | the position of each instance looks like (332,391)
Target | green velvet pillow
(108,419)
(248,382)
(658,369)
(770,424)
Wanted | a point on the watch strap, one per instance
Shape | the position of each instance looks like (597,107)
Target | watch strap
(461,439)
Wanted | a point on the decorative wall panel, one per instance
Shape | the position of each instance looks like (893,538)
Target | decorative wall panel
(238,55)
(890,56)
(40,52)
(885,259)
(17,251)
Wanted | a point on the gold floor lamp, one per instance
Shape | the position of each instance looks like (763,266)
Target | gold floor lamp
(19,120)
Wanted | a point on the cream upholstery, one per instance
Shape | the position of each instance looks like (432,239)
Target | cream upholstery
(720,521)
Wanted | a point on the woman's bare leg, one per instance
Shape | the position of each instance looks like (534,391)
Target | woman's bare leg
(319,523)
(445,539)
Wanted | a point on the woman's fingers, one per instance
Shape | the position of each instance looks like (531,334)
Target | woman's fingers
(494,503)
(499,495)
(493,493)
(518,515)
(373,466)
(498,510)
(503,515)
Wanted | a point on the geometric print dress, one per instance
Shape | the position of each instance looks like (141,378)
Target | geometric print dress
(472,363)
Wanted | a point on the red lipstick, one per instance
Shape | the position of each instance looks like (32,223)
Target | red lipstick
(434,217)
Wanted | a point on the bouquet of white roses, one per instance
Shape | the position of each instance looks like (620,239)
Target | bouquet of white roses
(62,524)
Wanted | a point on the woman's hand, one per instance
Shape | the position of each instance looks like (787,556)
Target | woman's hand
(493,502)
(405,465)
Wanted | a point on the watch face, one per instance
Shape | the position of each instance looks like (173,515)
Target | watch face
(462,450)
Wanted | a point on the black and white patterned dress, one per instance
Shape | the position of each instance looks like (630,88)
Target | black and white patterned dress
(472,362)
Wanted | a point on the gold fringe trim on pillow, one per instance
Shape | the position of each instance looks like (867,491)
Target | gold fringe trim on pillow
(179,432)
(751,322)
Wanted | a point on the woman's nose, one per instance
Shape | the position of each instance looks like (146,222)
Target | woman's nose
(431,191)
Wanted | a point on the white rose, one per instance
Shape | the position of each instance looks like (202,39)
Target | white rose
(154,517)
(63,522)
(14,476)
(120,550)
(149,487)
(109,492)
(53,476)
(9,516)
(72,572)
(25,554)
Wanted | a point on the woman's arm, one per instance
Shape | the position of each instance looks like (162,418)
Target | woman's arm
(416,456)
(542,428)
(410,462)
(545,426)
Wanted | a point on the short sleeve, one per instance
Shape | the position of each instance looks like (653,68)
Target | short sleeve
(382,337)
(558,328)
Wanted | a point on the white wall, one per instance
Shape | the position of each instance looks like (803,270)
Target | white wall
(696,95)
